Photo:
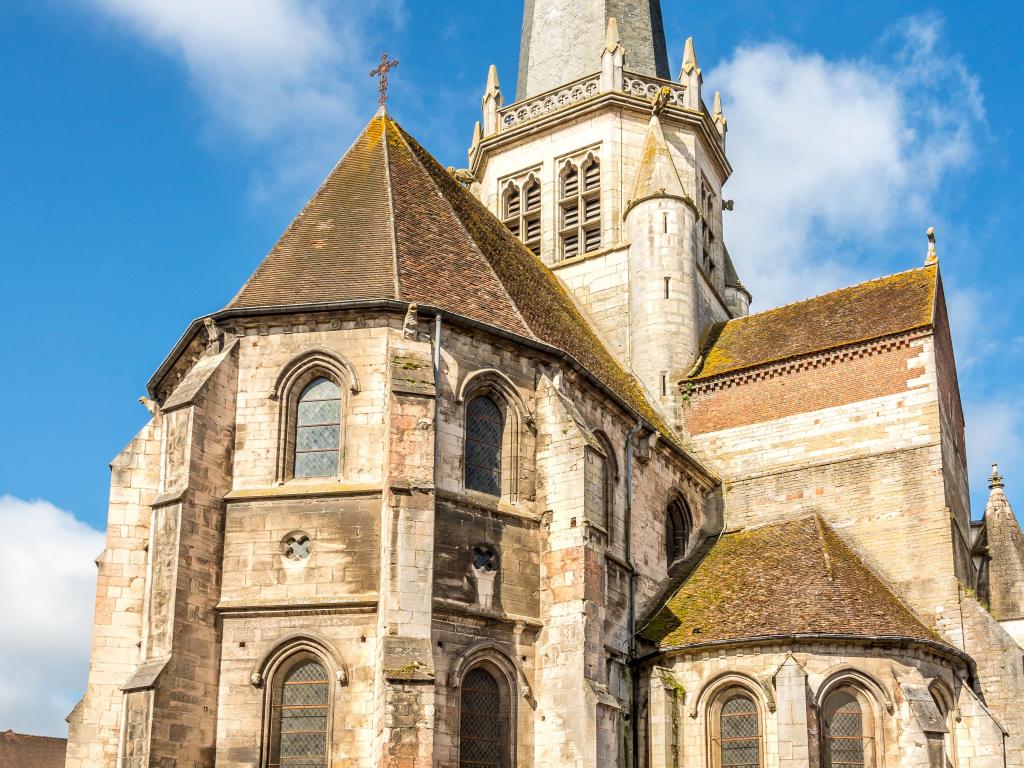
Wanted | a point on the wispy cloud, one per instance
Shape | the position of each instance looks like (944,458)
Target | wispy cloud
(49,584)
(286,76)
(830,155)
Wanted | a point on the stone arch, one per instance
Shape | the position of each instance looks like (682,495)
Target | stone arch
(301,370)
(501,668)
(846,674)
(872,697)
(712,698)
(516,437)
(271,675)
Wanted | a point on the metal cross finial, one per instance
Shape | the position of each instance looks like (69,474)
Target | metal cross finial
(386,65)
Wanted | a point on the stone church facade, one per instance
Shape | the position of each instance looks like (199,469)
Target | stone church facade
(493,467)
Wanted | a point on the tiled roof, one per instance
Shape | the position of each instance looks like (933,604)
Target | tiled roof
(871,310)
(23,751)
(390,223)
(790,578)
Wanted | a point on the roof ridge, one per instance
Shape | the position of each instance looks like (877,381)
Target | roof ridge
(829,572)
(830,293)
(383,116)
(294,223)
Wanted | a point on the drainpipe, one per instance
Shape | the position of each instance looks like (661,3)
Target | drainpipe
(631,655)
(437,399)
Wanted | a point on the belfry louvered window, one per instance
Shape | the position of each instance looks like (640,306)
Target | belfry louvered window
(521,211)
(847,743)
(299,716)
(739,733)
(579,208)
(678,525)
(483,732)
(485,429)
(318,430)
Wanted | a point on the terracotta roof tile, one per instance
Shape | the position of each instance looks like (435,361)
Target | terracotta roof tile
(791,578)
(390,223)
(23,751)
(871,310)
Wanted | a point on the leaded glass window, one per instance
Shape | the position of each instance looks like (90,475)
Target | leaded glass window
(482,739)
(318,430)
(485,427)
(677,530)
(739,733)
(299,711)
(845,742)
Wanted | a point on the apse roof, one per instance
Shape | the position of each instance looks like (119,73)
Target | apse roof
(389,223)
(790,578)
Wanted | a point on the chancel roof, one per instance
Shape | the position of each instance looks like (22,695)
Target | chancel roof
(24,751)
(872,310)
(390,223)
(790,578)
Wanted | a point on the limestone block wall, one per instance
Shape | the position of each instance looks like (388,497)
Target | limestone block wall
(789,685)
(250,637)
(856,438)
(266,347)
(95,726)
(600,285)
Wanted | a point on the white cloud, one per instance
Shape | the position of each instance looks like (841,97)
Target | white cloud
(49,587)
(288,74)
(994,429)
(830,155)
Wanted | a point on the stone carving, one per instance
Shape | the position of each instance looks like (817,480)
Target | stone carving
(525,112)
(409,326)
(661,100)
(464,176)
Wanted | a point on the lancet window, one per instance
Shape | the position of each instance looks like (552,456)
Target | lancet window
(318,429)
(846,731)
(521,211)
(579,207)
(678,524)
(299,707)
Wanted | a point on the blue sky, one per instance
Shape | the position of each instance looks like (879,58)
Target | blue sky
(151,151)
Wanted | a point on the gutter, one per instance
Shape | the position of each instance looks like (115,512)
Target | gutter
(711,479)
(819,637)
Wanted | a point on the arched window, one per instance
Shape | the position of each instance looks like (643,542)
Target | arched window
(580,208)
(521,211)
(739,732)
(318,430)
(485,428)
(299,707)
(846,730)
(484,727)
(678,525)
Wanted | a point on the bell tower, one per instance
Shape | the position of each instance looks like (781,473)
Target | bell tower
(612,173)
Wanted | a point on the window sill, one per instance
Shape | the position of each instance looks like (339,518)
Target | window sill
(481,501)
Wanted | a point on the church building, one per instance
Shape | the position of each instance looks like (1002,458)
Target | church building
(492,467)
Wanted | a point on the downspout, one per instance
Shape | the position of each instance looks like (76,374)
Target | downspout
(631,654)
(437,398)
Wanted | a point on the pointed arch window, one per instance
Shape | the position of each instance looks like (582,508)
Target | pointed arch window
(484,722)
(846,730)
(521,211)
(299,708)
(678,525)
(318,429)
(580,207)
(739,732)
(485,429)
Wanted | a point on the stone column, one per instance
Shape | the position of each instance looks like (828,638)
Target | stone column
(791,715)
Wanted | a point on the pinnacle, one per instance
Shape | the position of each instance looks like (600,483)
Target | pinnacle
(690,59)
(612,41)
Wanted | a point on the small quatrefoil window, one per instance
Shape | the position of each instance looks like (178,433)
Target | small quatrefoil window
(484,559)
(297,547)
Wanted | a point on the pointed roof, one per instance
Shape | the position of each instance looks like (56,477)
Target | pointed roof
(789,578)
(657,174)
(390,223)
(1006,553)
(884,307)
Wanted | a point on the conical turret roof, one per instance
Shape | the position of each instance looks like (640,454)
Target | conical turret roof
(389,223)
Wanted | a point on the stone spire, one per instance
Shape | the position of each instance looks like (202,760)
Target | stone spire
(563,40)
(492,102)
(1005,553)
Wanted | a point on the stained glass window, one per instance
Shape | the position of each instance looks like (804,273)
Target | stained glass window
(318,430)
(481,733)
(299,710)
(485,426)
(844,722)
(739,734)
(677,530)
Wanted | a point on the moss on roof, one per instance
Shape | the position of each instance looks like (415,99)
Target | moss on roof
(390,223)
(791,578)
(875,309)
